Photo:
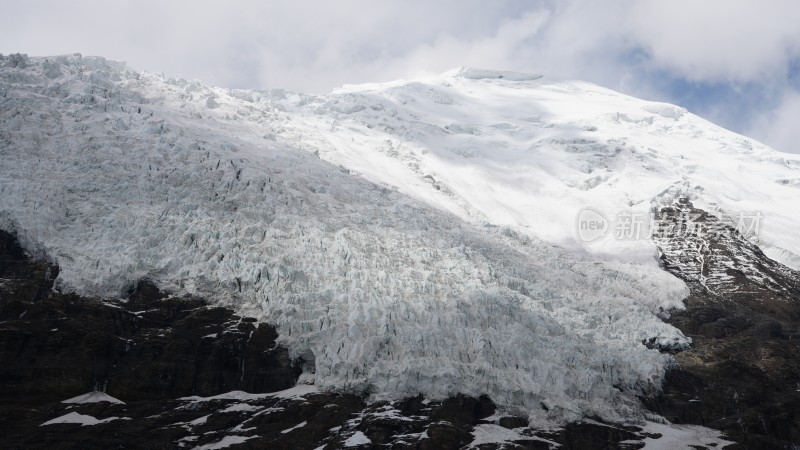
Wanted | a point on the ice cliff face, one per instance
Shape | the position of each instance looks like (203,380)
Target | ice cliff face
(399,236)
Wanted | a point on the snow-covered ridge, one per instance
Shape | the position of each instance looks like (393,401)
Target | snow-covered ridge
(480,74)
(399,235)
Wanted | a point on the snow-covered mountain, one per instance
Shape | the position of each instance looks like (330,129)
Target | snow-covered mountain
(408,237)
(530,152)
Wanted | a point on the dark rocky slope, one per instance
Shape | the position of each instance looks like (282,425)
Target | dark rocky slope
(742,374)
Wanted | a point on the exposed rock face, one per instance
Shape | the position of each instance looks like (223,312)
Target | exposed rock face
(57,345)
(743,373)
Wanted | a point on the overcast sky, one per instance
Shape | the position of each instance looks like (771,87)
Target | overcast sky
(736,63)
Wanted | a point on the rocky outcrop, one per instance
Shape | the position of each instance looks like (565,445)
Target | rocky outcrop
(146,346)
(742,374)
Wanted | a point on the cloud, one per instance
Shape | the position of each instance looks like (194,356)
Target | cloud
(734,40)
(707,55)
(309,45)
(779,127)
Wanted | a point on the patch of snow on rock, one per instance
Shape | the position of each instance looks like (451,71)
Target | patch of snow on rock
(94,397)
(81,419)
(358,438)
(225,442)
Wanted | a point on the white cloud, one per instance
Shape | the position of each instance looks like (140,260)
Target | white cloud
(320,44)
(303,45)
(314,46)
(735,40)
(779,128)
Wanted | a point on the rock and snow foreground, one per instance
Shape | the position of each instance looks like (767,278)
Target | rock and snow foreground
(409,237)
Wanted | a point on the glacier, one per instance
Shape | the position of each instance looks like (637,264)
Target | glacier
(413,237)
